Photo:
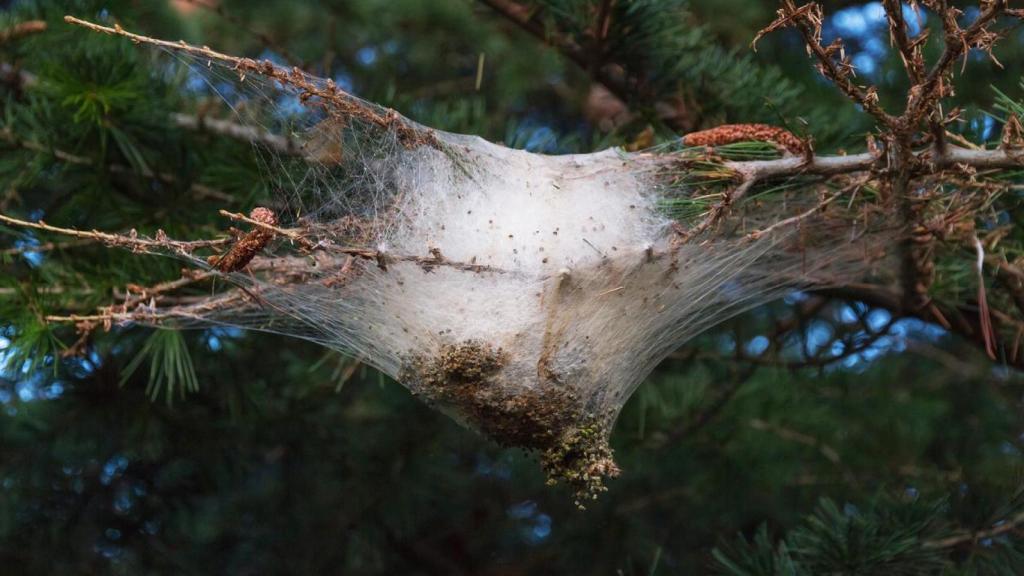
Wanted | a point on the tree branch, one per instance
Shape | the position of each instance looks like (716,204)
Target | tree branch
(808,19)
(21,30)
(929,92)
(251,134)
(131,241)
(523,17)
(956,540)
(312,91)
(266,40)
(910,50)
(613,77)
(751,172)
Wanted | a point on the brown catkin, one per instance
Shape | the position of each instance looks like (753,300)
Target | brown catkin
(248,246)
(732,133)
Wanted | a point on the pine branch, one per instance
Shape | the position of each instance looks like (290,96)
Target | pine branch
(902,162)
(198,190)
(201,123)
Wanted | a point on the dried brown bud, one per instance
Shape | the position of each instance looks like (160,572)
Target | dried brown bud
(264,216)
(1013,134)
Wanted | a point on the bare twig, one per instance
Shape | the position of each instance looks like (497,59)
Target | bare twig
(830,453)
(909,49)
(804,215)
(271,226)
(162,244)
(146,315)
(313,91)
(926,94)
(807,19)
(131,241)
(1005,526)
(265,39)
(708,414)
(47,247)
(21,30)
(200,123)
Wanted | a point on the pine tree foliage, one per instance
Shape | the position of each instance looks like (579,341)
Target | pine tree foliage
(824,434)
(170,366)
(662,50)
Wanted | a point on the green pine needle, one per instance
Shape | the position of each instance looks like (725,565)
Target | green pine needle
(170,366)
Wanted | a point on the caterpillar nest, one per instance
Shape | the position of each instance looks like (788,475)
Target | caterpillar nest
(525,295)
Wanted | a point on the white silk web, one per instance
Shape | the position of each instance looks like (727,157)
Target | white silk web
(526,295)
